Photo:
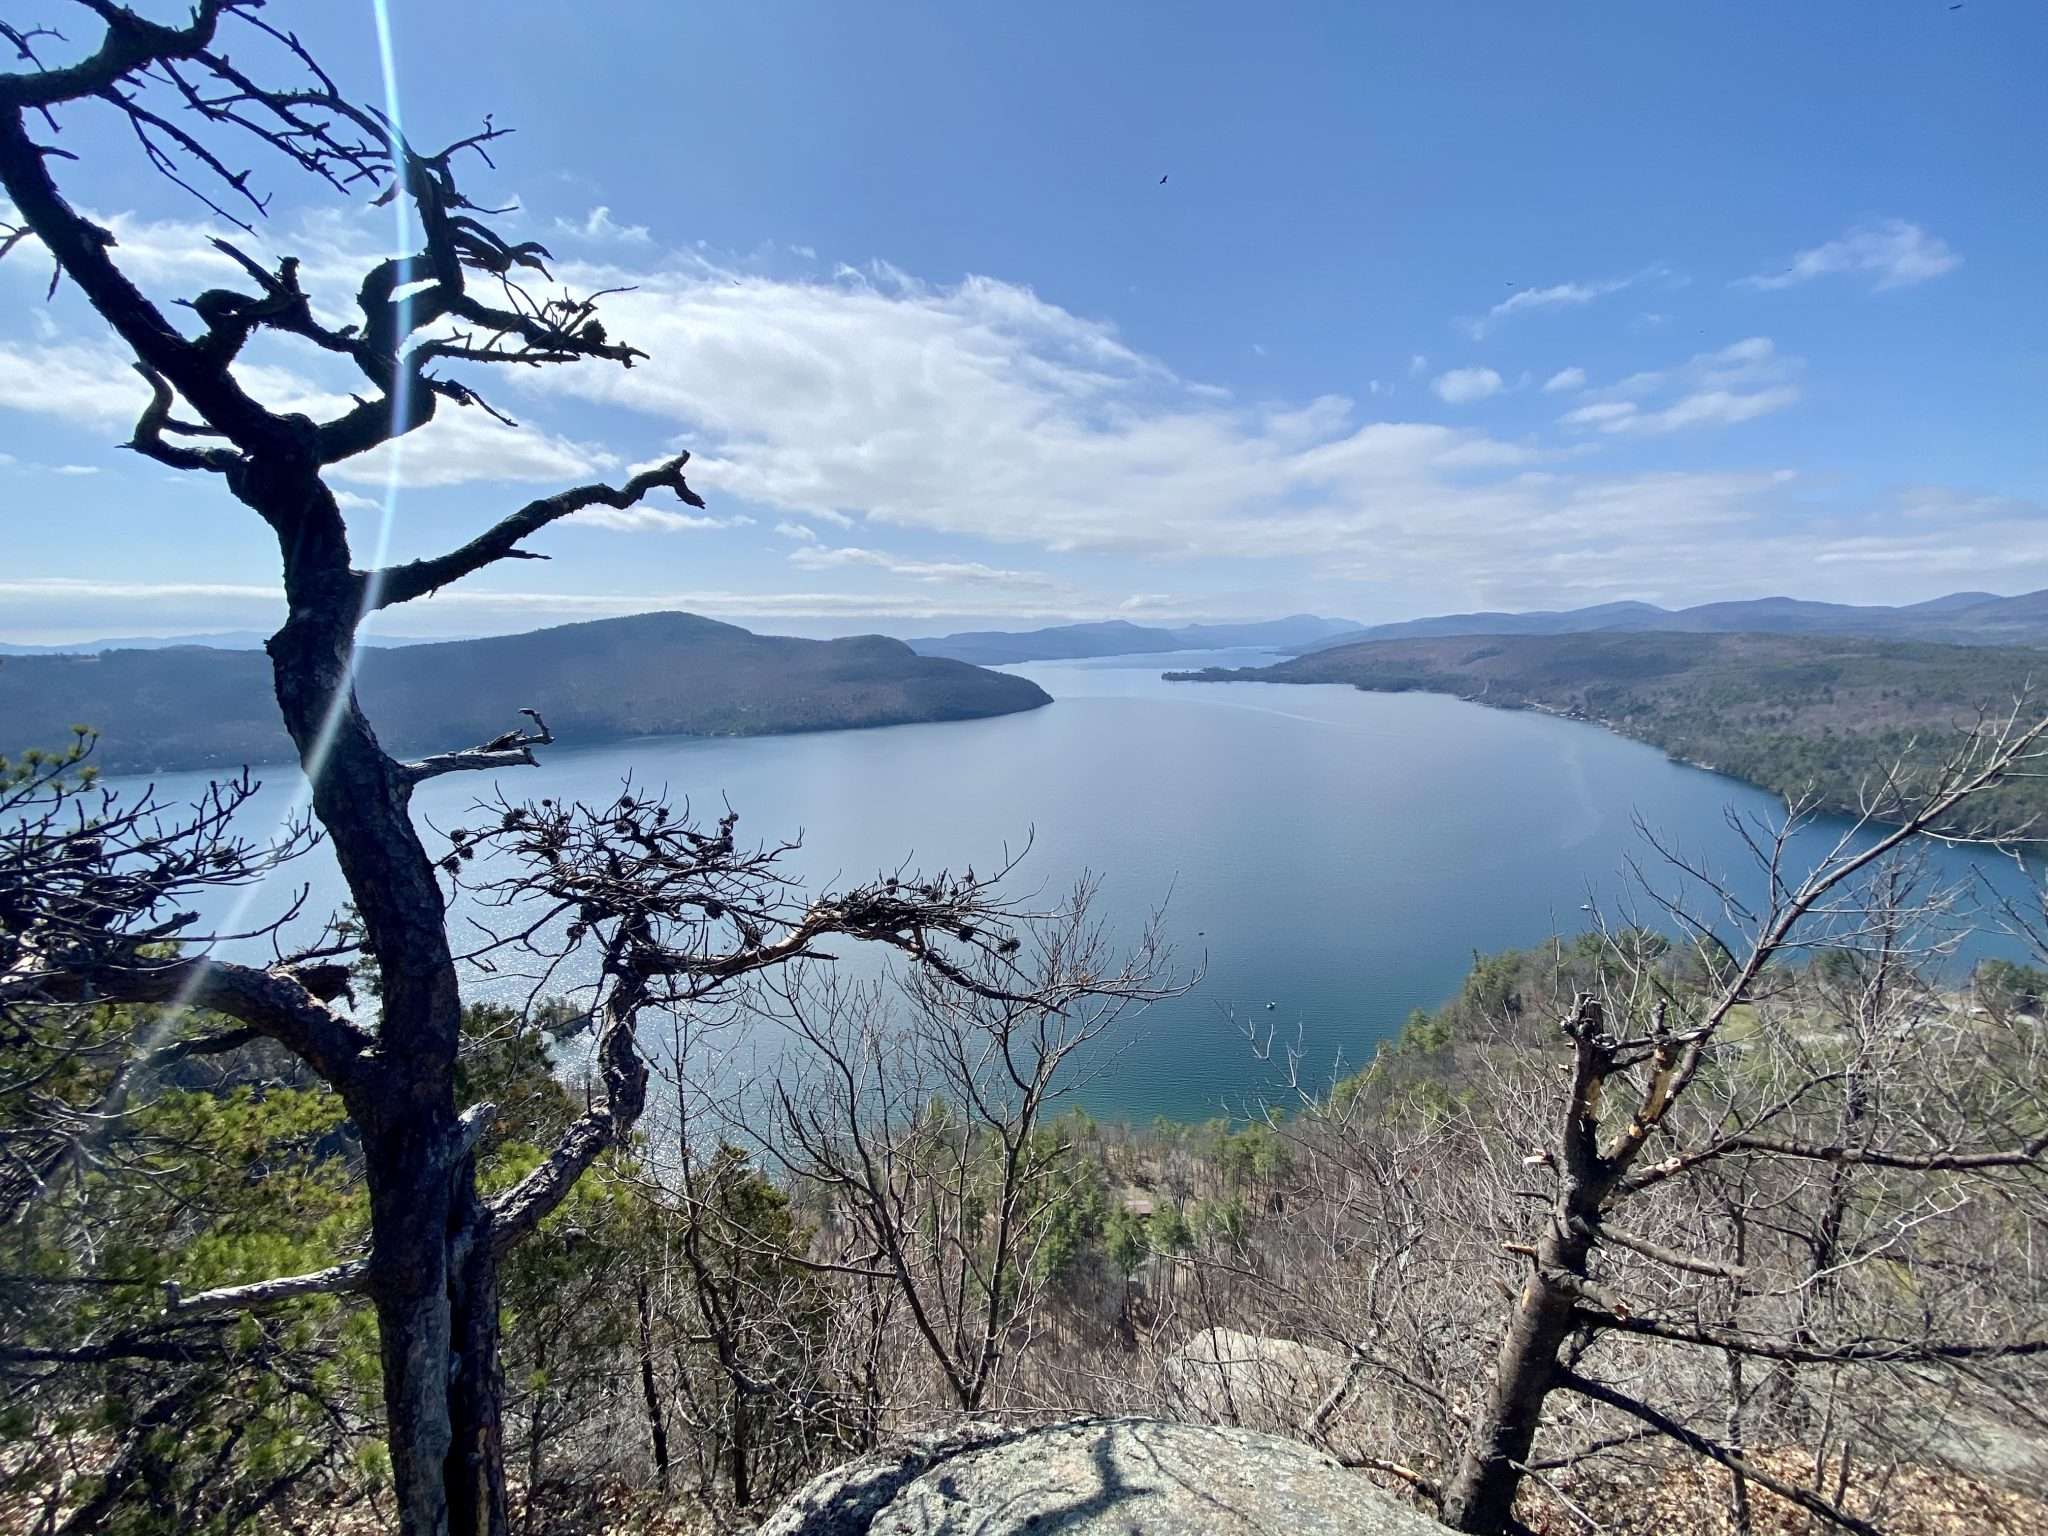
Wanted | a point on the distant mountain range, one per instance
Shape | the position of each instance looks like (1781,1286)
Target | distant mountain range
(1961,618)
(651,674)
(225,640)
(1117,637)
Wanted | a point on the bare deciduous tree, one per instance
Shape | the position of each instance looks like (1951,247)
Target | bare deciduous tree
(927,1124)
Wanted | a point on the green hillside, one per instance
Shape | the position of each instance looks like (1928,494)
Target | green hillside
(653,674)
(1787,712)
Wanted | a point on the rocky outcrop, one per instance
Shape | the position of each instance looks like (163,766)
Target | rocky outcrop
(1096,1477)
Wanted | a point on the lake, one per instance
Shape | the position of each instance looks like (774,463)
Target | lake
(1334,854)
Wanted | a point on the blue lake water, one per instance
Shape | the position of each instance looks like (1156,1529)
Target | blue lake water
(1338,855)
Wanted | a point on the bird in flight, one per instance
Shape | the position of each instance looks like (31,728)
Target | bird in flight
(1162,180)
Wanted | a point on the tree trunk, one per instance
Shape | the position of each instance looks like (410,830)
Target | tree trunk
(1481,1497)
(657,1431)
(409,1284)
(433,1276)
(741,1448)
(475,1464)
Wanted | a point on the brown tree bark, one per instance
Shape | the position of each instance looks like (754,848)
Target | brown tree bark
(1481,1497)
(432,1269)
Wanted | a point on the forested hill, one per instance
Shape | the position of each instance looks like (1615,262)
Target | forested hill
(649,675)
(1782,711)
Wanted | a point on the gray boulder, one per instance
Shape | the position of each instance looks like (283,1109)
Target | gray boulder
(1096,1477)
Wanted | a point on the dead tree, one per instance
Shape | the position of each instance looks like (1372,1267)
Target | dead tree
(1653,1107)
(463,300)
(431,1269)
(1790,1183)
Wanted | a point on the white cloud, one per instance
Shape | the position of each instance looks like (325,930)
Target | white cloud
(651,520)
(812,558)
(979,411)
(1739,382)
(1462,386)
(1750,350)
(1572,295)
(78,381)
(1418,365)
(86,587)
(1565,379)
(1705,408)
(803,533)
(459,447)
(1893,254)
(1599,414)
(599,225)
(1534,538)
(95,383)
(74,469)
(47,603)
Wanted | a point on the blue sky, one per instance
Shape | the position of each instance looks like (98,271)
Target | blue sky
(1441,306)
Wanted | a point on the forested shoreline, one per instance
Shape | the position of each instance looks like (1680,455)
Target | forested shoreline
(1819,720)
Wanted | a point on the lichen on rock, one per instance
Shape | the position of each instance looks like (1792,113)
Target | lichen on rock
(1096,1477)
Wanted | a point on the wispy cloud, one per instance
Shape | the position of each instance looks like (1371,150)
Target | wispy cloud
(1463,386)
(984,420)
(812,558)
(1707,407)
(1523,301)
(1565,380)
(652,520)
(1735,384)
(93,382)
(599,225)
(1892,254)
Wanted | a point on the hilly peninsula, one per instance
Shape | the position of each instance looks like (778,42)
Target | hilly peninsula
(653,674)
(1791,713)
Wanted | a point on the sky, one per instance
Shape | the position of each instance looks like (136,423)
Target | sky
(1438,307)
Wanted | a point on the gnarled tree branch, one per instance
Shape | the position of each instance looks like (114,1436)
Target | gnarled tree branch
(402,583)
